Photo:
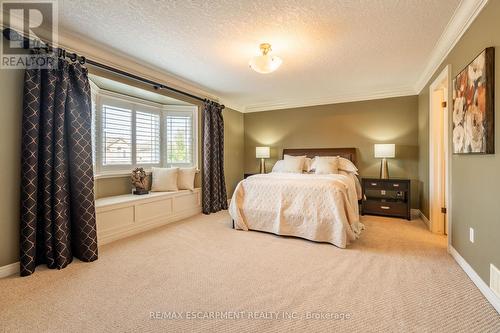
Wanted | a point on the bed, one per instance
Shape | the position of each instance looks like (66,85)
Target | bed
(321,208)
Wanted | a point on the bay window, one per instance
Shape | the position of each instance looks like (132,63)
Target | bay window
(131,132)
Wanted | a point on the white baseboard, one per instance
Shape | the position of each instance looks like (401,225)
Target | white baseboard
(418,212)
(9,270)
(480,284)
(426,220)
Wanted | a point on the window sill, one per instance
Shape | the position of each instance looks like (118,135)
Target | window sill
(121,174)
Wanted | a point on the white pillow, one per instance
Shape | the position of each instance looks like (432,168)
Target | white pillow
(308,164)
(344,164)
(278,166)
(293,164)
(164,179)
(347,165)
(185,178)
(316,159)
(326,165)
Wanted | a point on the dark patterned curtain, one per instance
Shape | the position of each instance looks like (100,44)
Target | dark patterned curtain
(57,203)
(213,183)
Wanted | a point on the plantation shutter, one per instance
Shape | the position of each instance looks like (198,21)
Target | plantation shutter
(147,137)
(116,136)
(179,129)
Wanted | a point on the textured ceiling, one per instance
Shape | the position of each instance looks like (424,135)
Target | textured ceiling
(329,48)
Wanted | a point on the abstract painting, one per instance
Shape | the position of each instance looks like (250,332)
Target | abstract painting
(473,106)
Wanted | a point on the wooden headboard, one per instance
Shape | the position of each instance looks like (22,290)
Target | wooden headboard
(349,153)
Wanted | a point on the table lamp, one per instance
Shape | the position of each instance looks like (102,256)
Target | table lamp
(384,151)
(262,153)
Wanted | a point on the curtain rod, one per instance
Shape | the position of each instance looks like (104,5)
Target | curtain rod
(12,35)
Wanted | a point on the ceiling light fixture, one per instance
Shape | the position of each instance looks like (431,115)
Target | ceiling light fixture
(265,63)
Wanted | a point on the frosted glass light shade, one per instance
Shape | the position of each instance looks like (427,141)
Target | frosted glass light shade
(262,152)
(265,63)
(387,150)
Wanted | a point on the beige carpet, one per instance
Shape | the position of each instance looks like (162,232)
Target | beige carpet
(396,278)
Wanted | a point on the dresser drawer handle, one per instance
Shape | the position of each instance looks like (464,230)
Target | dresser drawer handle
(373,184)
(385,207)
(395,185)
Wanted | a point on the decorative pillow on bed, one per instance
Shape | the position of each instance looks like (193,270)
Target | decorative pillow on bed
(343,163)
(346,165)
(326,165)
(308,162)
(293,164)
(278,166)
(317,158)
(164,179)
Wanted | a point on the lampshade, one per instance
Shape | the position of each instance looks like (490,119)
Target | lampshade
(265,63)
(262,152)
(387,150)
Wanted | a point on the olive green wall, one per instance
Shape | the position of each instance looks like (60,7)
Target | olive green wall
(233,148)
(110,186)
(474,178)
(356,124)
(11,83)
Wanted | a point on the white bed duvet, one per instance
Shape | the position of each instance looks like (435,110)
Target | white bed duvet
(321,208)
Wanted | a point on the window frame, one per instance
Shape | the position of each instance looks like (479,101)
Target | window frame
(103,97)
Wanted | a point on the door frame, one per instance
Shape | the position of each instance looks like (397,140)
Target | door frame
(436,84)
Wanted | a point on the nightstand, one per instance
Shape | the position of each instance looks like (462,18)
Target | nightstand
(386,197)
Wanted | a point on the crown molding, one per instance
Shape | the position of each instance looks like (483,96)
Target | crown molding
(462,18)
(230,104)
(355,97)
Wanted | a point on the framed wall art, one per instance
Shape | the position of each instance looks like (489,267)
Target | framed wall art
(473,106)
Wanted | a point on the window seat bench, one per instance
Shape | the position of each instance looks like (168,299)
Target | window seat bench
(125,215)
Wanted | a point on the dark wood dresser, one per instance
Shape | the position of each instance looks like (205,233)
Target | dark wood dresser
(386,197)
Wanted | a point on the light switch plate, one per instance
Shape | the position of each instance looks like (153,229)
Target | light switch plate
(495,279)
(471,235)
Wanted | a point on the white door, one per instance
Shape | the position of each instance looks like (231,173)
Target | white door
(438,154)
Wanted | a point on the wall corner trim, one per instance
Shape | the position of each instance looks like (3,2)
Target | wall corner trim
(480,284)
(462,18)
(9,270)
